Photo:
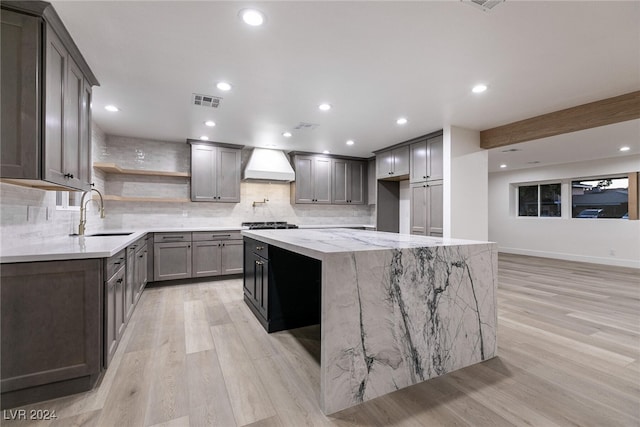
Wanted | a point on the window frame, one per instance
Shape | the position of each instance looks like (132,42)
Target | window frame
(600,177)
(538,184)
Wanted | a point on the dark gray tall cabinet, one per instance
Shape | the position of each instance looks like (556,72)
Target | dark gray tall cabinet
(426,180)
(46,101)
(420,161)
(215,172)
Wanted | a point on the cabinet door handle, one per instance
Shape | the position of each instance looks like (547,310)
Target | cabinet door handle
(116,263)
(188,246)
(259,263)
(223,244)
(424,176)
(259,248)
(140,256)
(119,281)
(427,176)
(68,175)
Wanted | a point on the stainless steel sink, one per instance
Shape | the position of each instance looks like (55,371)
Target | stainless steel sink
(107,234)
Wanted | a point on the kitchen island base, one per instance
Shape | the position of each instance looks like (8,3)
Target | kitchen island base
(396,310)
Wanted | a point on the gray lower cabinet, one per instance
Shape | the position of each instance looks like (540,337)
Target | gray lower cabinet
(426,209)
(172,260)
(140,271)
(215,172)
(114,312)
(136,274)
(349,182)
(217,253)
(51,329)
(313,179)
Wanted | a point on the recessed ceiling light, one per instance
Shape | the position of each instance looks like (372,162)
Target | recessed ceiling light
(402,121)
(204,138)
(625,148)
(350,142)
(286,134)
(503,166)
(479,88)
(223,86)
(324,107)
(210,123)
(326,152)
(252,17)
(112,108)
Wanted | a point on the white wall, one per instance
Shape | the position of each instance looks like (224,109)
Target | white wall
(603,241)
(465,185)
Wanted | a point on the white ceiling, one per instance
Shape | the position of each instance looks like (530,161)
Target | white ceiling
(373,61)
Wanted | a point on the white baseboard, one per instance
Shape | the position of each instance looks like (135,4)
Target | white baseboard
(572,257)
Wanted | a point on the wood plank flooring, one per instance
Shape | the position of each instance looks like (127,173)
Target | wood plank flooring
(194,355)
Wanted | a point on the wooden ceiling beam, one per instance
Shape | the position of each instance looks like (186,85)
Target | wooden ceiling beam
(594,114)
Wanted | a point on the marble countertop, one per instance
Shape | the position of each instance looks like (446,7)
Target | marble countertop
(77,247)
(84,247)
(316,243)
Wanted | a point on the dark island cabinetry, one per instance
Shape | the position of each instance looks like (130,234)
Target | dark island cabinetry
(281,288)
(51,315)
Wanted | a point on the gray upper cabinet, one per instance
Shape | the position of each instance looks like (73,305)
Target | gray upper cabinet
(313,179)
(426,160)
(46,101)
(393,164)
(215,172)
(349,183)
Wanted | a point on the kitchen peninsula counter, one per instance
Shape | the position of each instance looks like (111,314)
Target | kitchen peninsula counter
(396,309)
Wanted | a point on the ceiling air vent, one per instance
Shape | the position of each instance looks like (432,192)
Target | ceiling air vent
(306,126)
(485,5)
(206,100)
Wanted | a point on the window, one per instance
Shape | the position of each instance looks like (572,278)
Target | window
(68,200)
(539,200)
(606,197)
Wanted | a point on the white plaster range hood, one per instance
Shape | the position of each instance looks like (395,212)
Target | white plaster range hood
(269,165)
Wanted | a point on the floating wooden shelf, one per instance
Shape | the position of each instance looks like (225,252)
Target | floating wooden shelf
(115,169)
(144,199)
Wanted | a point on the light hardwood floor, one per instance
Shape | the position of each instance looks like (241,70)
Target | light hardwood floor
(194,355)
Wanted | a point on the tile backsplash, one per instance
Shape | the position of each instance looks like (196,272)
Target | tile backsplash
(30,213)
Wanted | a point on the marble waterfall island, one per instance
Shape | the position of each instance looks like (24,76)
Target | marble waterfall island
(395,309)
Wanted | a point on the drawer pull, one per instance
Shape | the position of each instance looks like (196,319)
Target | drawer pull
(259,263)
(221,235)
(173,237)
(119,281)
(259,248)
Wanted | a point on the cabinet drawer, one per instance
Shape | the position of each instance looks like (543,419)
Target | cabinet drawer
(199,236)
(135,246)
(114,263)
(258,248)
(171,237)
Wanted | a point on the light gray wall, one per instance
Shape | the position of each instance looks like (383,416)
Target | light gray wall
(133,153)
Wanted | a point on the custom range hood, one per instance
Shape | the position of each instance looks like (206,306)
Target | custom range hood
(269,165)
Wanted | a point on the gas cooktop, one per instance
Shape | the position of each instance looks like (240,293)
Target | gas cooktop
(271,225)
